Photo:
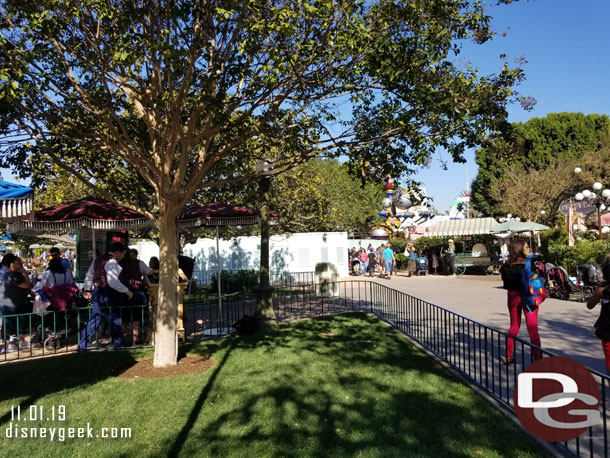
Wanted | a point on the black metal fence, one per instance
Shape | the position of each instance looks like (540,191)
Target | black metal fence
(472,348)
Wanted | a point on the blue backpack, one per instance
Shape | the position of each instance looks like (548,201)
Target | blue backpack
(533,291)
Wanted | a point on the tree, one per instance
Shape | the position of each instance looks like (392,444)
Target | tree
(59,187)
(538,144)
(322,196)
(158,99)
(527,192)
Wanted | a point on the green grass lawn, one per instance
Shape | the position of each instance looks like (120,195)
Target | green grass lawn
(345,386)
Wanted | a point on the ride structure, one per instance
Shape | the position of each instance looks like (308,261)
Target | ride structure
(402,208)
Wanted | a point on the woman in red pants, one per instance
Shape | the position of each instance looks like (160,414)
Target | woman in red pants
(602,325)
(511,277)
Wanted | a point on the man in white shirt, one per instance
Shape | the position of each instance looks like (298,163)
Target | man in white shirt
(108,295)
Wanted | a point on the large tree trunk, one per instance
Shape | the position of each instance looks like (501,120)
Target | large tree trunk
(166,344)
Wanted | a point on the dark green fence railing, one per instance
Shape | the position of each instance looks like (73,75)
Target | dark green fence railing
(471,348)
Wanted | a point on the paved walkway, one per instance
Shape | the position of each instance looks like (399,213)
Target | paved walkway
(566,327)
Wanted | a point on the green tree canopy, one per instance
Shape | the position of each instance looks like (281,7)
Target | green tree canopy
(157,99)
(536,145)
(319,195)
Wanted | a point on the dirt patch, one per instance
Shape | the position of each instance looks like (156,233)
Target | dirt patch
(145,369)
(329,333)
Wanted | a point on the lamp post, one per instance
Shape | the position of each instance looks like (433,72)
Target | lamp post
(599,199)
(265,316)
(509,217)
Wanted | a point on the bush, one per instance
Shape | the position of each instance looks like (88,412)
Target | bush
(586,235)
(401,260)
(438,243)
(235,281)
(555,236)
(398,245)
(585,252)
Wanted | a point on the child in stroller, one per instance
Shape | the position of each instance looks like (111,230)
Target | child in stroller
(422,265)
(559,284)
(589,278)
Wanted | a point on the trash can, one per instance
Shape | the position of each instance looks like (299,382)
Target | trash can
(327,280)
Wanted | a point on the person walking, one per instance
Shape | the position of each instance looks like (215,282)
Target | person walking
(511,279)
(364,261)
(602,325)
(380,249)
(388,260)
(372,261)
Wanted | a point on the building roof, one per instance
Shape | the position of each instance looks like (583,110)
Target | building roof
(457,227)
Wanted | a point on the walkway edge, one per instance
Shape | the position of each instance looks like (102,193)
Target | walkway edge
(546,446)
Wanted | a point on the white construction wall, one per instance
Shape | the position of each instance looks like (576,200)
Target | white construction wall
(299,252)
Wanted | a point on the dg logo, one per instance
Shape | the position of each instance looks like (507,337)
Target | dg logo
(557,399)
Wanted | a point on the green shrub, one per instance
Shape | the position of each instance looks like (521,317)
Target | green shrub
(586,235)
(401,260)
(584,252)
(438,243)
(232,282)
(398,245)
(555,236)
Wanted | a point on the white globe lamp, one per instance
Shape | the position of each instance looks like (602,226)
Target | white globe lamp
(577,170)
(579,196)
(606,193)
(586,193)
(597,186)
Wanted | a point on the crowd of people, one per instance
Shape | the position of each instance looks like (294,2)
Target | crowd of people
(115,280)
(374,261)
(380,261)
(118,279)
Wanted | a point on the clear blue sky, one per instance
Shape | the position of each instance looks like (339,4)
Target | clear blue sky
(567,46)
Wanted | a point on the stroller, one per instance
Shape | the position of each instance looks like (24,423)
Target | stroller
(590,278)
(422,265)
(559,284)
(356,267)
(62,322)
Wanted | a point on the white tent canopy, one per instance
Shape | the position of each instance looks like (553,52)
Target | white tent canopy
(459,227)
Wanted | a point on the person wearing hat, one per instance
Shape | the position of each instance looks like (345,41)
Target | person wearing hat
(449,256)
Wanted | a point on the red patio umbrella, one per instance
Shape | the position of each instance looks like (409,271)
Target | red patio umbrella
(217,214)
(91,212)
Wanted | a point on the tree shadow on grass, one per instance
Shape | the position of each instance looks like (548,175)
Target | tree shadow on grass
(195,411)
(35,379)
(339,398)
